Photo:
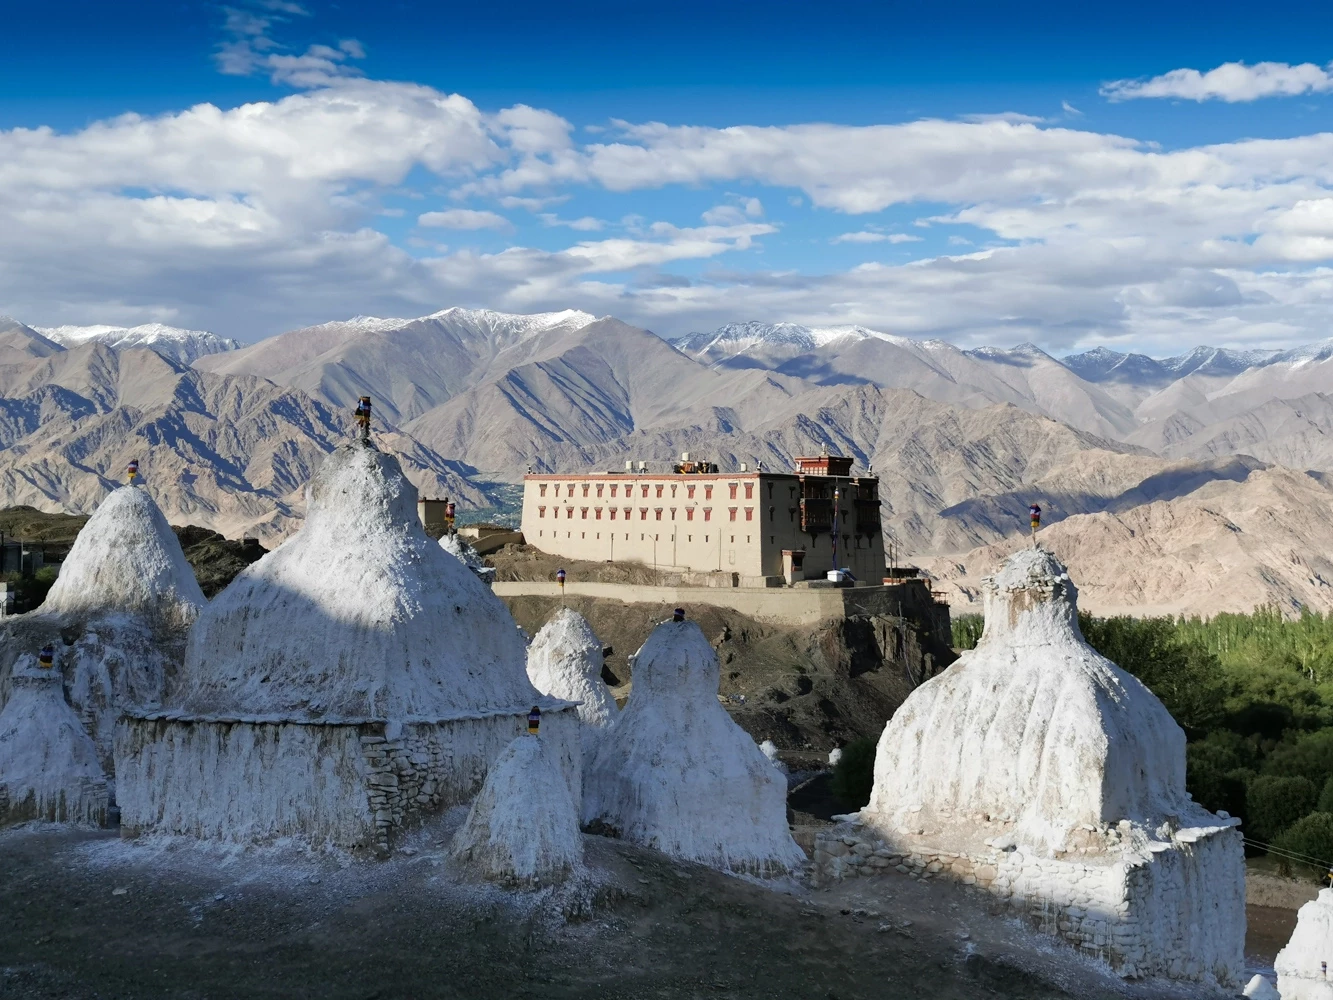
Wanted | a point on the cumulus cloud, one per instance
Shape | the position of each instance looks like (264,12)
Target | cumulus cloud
(852,169)
(1231,82)
(264,216)
(463,218)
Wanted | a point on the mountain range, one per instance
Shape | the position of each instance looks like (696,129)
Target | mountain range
(1114,445)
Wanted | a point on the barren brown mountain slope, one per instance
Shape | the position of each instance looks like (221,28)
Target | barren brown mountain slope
(229,453)
(1226,546)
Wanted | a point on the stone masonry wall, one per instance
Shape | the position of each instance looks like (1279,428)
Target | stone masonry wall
(426,768)
(1143,917)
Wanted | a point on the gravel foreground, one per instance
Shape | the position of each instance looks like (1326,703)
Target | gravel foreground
(84,915)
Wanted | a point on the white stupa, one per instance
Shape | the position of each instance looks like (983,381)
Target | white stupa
(1305,966)
(1259,988)
(467,555)
(675,773)
(48,765)
(118,612)
(126,559)
(770,750)
(1039,770)
(523,824)
(565,661)
(350,680)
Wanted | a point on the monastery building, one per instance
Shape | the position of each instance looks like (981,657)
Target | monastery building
(757,527)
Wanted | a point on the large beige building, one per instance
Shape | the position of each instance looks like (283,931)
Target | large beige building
(747,528)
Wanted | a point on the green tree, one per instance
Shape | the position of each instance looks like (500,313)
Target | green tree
(1308,844)
(967,630)
(1325,804)
(854,774)
(1310,755)
(1185,676)
(1274,803)
(1214,776)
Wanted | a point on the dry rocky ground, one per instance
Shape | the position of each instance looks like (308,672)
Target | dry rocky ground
(809,689)
(90,917)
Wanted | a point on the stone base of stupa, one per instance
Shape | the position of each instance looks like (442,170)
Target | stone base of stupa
(353,784)
(85,803)
(1157,909)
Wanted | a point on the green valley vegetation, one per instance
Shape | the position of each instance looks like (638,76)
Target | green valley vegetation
(1254,694)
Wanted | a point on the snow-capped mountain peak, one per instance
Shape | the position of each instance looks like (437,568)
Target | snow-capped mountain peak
(737,338)
(184,346)
(485,323)
(522,323)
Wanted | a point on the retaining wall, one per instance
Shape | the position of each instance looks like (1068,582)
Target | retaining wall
(794,606)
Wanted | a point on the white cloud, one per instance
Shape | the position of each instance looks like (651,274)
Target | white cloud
(866,236)
(532,204)
(672,244)
(739,209)
(846,168)
(250,48)
(262,216)
(1012,117)
(586,224)
(531,130)
(1070,110)
(463,218)
(1230,82)
(723,215)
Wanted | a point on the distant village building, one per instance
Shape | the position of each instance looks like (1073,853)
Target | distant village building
(759,528)
(436,513)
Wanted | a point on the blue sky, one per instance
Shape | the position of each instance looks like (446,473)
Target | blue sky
(981,173)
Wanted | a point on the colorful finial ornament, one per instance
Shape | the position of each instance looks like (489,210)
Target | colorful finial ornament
(560,579)
(678,615)
(534,720)
(132,470)
(46,657)
(449,510)
(1034,513)
(363,417)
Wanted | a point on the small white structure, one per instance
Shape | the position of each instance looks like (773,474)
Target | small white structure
(1305,966)
(349,682)
(118,613)
(523,824)
(48,765)
(467,555)
(770,750)
(565,661)
(1044,774)
(675,773)
(1259,988)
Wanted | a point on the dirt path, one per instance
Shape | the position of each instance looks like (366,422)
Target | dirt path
(83,915)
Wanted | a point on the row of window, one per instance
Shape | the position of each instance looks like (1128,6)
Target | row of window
(643,513)
(847,540)
(732,489)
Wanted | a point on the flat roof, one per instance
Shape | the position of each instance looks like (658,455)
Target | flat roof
(683,476)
